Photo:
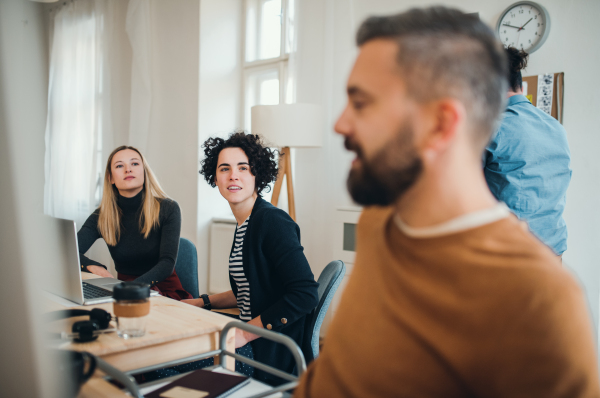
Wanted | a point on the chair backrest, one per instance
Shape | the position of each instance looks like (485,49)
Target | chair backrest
(186,267)
(329,281)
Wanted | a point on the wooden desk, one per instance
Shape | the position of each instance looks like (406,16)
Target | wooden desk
(174,330)
(232,311)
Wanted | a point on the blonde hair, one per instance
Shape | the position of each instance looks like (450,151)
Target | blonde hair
(109,219)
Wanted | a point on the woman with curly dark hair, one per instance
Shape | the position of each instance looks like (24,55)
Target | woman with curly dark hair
(271,281)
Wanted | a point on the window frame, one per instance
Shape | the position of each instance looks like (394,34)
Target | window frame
(245,80)
(281,62)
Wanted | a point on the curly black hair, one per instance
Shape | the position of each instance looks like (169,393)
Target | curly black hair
(261,158)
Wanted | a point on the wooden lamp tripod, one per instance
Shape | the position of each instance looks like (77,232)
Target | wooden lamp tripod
(285,170)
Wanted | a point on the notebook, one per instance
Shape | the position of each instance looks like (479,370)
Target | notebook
(201,384)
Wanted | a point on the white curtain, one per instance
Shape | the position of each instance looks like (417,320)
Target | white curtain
(92,41)
(76,111)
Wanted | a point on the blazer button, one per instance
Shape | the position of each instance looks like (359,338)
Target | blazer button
(269,326)
(283,320)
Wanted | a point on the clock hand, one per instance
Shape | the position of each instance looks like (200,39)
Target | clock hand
(523,27)
(510,26)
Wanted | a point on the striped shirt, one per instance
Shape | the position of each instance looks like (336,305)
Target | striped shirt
(236,270)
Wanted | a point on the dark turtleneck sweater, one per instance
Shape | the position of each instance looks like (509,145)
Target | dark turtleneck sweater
(152,259)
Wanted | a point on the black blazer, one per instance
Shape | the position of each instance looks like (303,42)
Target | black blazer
(283,290)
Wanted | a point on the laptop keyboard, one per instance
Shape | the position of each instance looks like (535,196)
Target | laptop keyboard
(92,291)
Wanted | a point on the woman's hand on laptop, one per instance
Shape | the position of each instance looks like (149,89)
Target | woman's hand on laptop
(100,271)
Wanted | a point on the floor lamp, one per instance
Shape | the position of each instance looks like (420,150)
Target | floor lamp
(288,126)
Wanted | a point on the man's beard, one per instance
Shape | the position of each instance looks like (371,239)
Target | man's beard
(384,178)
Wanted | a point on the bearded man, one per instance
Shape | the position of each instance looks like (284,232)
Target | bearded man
(451,295)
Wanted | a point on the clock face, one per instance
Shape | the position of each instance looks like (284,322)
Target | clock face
(524,26)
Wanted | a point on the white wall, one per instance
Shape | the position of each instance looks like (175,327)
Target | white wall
(173,137)
(328,51)
(315,198)
(220,102)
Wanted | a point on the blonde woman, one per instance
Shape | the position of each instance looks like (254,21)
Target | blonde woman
(139,223)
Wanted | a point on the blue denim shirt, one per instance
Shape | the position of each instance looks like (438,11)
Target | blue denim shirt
(528,167)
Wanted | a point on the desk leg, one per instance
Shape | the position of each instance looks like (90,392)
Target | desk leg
(230,346)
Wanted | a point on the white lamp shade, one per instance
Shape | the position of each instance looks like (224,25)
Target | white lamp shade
(293,125)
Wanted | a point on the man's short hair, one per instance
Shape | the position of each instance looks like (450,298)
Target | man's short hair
(444,52)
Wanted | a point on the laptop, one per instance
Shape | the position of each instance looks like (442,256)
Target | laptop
(71,286)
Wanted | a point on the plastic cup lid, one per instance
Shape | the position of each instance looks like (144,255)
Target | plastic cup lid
(131,291)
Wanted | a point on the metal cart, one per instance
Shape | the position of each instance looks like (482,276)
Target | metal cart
(128,381)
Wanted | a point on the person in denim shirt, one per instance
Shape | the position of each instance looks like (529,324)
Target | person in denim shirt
(527,162)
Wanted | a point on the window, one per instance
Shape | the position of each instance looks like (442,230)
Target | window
(268,41)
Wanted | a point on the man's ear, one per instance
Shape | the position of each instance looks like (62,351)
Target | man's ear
(446,116)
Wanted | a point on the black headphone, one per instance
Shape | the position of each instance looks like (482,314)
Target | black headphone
(83,331)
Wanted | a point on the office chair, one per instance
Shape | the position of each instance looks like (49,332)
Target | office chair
(186,267)
(329,281)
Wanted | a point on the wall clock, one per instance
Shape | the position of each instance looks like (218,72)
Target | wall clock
(524,25)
